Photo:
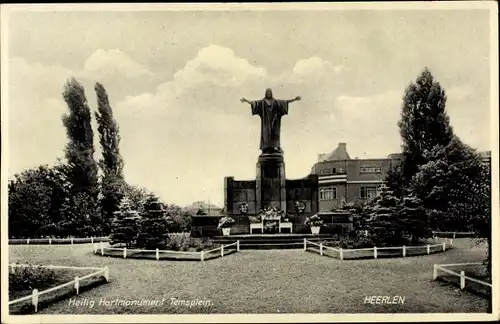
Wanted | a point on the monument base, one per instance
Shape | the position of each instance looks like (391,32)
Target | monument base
(271,181)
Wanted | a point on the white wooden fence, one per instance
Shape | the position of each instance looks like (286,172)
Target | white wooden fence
(463,278)
(375,252)
(34,297)
(453,234)
(50,240)
(202,255)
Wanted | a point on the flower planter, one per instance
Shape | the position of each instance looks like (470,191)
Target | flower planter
(226,231)
(315,229)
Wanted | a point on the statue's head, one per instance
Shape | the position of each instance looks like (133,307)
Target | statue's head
(269,93)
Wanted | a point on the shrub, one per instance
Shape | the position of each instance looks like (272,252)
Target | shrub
(355,243)
(184,242)
(28,278)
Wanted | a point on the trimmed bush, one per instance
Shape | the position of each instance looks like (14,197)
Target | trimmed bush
(29,278)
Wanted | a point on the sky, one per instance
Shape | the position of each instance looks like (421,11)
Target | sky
(175,80)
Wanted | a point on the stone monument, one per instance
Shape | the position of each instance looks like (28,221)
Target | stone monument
(270,188)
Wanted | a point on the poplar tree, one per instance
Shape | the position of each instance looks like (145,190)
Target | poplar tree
(111,162)
(79,150)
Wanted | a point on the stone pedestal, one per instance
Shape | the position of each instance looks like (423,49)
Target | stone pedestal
(270,188)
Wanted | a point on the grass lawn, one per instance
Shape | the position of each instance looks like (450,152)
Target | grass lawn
(263,281)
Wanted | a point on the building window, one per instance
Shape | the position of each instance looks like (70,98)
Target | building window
(367,192)
(325,171)
(340,171)
(328,193)
(370,169)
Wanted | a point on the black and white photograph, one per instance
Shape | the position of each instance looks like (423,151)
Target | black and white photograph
(236,162)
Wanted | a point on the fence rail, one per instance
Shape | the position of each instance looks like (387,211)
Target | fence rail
(35,295)
(50,240)
(460,277)
(453,234)
(202,255)
(375,252)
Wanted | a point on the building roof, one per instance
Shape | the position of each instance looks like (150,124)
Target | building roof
(340,153)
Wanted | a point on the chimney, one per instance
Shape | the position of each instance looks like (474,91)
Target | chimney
(343,146)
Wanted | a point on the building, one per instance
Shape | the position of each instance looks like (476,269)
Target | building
(342,178)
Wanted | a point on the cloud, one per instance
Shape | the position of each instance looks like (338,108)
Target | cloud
(218,65)
(102,63)
(315,65)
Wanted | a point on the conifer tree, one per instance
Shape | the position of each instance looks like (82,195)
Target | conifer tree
(384,226)
(413,218)
(125,225)
(154,224)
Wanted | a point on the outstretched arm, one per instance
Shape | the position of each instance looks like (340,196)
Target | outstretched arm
(294,99)
(245,100)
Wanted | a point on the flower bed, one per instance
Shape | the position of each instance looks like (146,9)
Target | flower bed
(32,287)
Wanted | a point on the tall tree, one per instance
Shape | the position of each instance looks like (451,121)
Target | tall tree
(80,147)
(424,124)
(111,163)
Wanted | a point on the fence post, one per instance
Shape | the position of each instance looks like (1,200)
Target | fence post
(428,249)
(157,254)
(341,254)
(72,240)
(77,285)
(202,255)
(321,248)
(444,246)
(404,251)
(305,244)
(34,299)
(462,279)
(435,272)
(454,233)
(50,240)
(375,252)
(222,250)
(125,252)
(102,247)
(92,240)
(106,274)
(238,245)
(28,241)
(451,241)
(95,248)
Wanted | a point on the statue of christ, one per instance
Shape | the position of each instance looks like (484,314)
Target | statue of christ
(270,111)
